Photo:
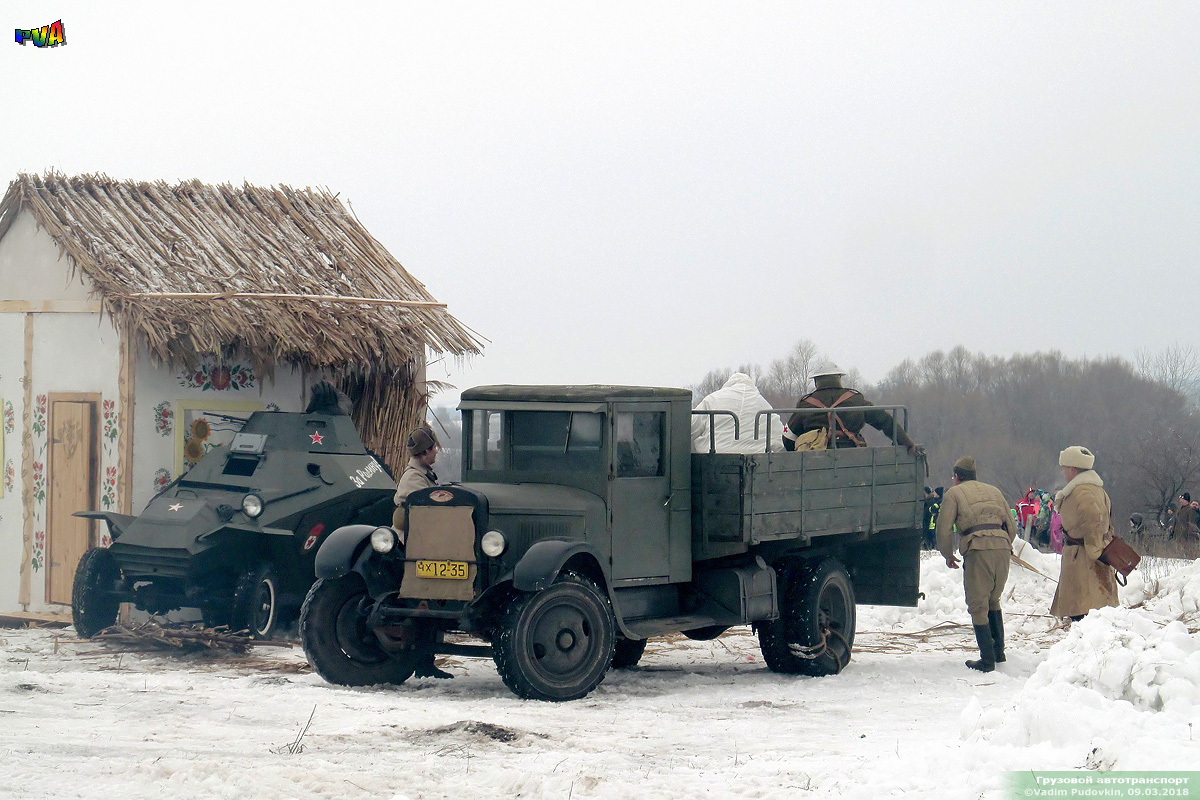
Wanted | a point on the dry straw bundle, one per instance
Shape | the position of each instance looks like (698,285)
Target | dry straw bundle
(275,275)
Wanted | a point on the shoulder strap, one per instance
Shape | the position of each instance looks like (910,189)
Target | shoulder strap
(849,393)
(841,427)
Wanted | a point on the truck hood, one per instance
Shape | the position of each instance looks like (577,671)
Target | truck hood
(539,499)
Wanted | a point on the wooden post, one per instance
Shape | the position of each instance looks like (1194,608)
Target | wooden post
(25,590)
(125,390)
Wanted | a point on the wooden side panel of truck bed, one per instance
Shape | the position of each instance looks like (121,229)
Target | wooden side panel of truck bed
(742,500)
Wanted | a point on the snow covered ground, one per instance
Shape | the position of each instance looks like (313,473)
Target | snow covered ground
(1119,690)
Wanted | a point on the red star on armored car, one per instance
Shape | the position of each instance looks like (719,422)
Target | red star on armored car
(317,438)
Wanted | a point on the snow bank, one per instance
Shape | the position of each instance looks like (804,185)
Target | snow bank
(1124,655)
(1124,680)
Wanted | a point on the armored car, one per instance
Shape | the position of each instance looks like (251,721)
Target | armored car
(238,534)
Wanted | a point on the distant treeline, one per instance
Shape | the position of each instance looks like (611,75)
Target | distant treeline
(1015,414)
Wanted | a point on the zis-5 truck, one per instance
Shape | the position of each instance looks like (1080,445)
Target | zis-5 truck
(585,525)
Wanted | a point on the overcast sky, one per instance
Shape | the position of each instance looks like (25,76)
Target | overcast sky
(637,193)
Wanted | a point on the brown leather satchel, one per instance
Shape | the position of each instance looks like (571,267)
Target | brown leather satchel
(1121,557)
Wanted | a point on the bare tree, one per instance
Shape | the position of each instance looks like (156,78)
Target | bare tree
(1176,367)
(714,379)
(787,377)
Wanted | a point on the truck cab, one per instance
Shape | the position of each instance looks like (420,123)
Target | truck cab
(586,525)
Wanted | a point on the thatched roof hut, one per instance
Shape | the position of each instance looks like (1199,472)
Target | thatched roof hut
(277,275)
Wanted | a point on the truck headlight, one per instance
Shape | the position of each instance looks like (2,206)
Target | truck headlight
(493,543)
(383,540)
(252,505)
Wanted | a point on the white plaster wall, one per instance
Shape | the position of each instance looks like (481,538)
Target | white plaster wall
(72,353)
(154,444)
(12,358)
(31,267)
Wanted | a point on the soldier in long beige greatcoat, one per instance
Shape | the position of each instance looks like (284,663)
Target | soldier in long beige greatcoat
(981,515)
(1084,582)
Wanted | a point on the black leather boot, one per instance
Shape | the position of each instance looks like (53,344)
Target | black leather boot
(996,623)
(427,669)
(987,654)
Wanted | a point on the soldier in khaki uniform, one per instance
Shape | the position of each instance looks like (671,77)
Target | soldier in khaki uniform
(981,515)
(418,474)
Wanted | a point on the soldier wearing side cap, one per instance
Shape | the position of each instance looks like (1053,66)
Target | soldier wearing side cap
(418,474)
(981,515)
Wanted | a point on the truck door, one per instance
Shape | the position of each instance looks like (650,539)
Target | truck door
(639,491)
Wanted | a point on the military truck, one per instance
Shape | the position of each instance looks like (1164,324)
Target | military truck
(585,525)
(236,536)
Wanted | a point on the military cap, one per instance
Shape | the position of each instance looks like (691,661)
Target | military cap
(421,440)
(965,464)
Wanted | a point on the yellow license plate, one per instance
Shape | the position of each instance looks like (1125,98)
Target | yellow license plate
(449,570)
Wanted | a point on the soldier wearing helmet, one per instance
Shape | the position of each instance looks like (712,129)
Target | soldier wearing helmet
(828,392)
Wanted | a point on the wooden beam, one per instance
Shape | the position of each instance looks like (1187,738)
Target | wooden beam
(125,391)
(50,306)
(324,298)
(25,592)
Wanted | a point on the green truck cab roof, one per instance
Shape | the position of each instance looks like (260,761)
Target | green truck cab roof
(595,393)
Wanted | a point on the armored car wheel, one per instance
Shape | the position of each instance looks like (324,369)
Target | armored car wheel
(337,642)
(814,634)
(556,644)
(94,606)
(628,652)
(256,602)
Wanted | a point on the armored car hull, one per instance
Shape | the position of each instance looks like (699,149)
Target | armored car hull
(237,535)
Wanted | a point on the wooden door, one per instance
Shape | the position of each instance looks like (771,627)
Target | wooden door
(71,479)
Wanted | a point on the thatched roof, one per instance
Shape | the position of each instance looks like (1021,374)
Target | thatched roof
(138,243)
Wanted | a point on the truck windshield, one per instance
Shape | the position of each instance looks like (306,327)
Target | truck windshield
(538,440)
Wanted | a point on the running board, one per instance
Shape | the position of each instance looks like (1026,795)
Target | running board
(645,628)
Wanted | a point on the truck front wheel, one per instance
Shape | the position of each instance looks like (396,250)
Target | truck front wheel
(814,634)
(336,640)
(556,644)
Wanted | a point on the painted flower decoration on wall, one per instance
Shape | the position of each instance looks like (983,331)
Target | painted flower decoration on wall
(219,378)
(164,418)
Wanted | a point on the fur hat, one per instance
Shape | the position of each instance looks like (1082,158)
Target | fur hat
(966,464)
(420,440)
(1076,456)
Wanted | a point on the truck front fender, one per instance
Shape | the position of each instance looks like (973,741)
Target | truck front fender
(542,562)
(337,554)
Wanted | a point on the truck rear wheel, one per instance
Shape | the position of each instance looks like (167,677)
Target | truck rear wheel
(94,606)
(337,642)
(814,634)
(556,644)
